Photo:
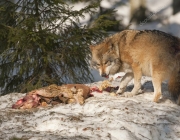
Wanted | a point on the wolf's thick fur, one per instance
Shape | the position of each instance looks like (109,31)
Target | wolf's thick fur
(137,53)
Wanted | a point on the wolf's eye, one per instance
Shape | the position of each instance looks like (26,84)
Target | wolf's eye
(107,62)
(98,65)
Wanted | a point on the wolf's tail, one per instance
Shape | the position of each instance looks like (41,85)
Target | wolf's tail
(174,83)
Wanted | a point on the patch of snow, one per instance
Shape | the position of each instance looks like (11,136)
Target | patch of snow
(102,117)
(123,13)
(156,6)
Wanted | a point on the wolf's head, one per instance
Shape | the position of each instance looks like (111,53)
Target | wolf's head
(105,58)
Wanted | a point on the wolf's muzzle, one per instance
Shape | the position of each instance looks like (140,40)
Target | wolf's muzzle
(104,75)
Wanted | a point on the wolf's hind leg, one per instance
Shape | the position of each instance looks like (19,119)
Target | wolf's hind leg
(157,80)
(137,81)
(125,80)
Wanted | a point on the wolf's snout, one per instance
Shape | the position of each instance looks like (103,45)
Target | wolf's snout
(104,75)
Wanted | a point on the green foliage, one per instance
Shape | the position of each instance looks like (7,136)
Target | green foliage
(42,43)
(105,20)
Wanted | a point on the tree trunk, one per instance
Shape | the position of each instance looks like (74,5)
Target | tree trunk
(176,5)
(137,11)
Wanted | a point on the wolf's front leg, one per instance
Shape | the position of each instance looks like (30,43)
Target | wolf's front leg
(137,82)
(124,81)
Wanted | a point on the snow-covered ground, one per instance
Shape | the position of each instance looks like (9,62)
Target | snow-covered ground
(102,117)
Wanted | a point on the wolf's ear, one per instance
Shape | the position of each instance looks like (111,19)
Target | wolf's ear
(114,47)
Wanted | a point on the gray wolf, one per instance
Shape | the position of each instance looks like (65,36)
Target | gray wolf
(148,52)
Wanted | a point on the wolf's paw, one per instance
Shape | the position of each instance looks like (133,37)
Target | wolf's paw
(156,97)
(120,91)
(155,100)
(140,91)
(128,94)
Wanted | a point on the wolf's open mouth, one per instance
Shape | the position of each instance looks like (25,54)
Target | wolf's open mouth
(105,75)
